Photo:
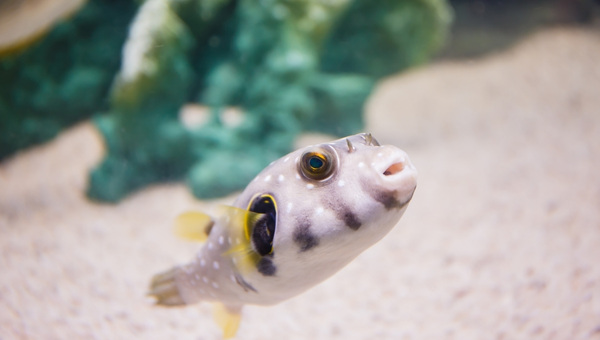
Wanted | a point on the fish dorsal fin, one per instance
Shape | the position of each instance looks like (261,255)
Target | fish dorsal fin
(194,226)
(227,318)
(239,223)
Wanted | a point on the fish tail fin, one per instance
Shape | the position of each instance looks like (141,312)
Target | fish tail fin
(164,288)
(228,318)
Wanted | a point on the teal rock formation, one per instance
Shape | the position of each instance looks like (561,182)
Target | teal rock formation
(64,77)
(291,66)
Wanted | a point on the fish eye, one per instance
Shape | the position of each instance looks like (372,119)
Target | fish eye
(317,165)
(263,229)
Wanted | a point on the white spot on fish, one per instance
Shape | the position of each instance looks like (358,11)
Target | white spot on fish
(215,285)
(229,240)
(210,245)
(361,165)
(380,154)
(221,239)
(373,164)
(232,277)
(310,186)
(268,178)
(202,263)
(289,207)
(216,265)
(341,183)
(280,178)
(297,176)
(319,210)
(286,159)
(205,279)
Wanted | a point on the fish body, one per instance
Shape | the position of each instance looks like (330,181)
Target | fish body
(302,219)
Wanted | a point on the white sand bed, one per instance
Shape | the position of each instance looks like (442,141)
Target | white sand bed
(501,241)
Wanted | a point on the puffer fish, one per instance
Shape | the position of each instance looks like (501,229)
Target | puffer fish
(302,219)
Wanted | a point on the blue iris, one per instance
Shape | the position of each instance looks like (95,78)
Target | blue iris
(315,162)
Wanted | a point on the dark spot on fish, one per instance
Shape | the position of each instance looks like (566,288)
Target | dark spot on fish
(304,238)
(266,267)
(350,219)
(389,200)
(343,212)
(240,281)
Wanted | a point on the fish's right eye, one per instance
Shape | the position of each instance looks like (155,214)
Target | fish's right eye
(318,165)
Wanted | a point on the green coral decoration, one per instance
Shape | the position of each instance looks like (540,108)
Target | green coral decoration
(288,65)
(291,65)
(64,77)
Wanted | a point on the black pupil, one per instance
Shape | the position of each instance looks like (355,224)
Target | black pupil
(315,162)
(264,230)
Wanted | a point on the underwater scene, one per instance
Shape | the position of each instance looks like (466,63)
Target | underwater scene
(299,169)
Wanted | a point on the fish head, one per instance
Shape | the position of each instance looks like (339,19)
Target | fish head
(327,204)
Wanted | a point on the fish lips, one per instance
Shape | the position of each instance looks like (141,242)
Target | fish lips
(396,173)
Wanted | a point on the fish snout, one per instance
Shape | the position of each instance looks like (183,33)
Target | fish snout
(395,170)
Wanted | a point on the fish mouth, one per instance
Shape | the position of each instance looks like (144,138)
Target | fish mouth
(394,169)
(397,181)
(398,165)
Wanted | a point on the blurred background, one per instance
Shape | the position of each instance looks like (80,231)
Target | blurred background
(143,70)
(487,26)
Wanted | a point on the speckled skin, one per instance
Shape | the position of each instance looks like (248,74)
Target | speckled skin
(320,226)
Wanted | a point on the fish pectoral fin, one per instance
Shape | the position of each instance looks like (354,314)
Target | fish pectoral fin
(239,220)
(164,288)
(239,223)
(228,318)
(244,257)
(194,226)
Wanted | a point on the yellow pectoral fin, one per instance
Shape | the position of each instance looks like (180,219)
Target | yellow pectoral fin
(194,226)
(238,220)
(239,224)
(227,318)
(244,257)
